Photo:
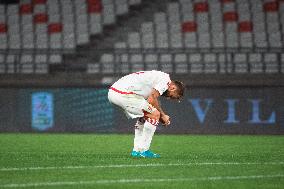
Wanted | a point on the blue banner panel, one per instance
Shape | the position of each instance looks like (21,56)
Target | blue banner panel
(204,110)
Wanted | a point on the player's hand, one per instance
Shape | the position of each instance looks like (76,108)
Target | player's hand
(165,120)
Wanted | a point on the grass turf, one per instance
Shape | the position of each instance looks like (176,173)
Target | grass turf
(103,161)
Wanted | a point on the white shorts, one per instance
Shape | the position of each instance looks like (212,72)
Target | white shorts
(133,105)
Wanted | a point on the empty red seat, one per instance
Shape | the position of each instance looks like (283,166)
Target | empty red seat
(271,6)
(35,2)
(40,18)
(94,6)
(54,28)
(26,9)
(201,7)
(190,26)
(245,26)
(230,16)
(3,28)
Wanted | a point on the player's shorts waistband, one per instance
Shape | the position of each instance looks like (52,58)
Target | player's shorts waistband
(121,92)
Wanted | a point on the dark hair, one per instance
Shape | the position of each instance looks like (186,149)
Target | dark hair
(180,88)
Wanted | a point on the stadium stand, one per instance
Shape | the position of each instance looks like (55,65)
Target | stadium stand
(236,26)
(178,36)
(200,25)
(51,25)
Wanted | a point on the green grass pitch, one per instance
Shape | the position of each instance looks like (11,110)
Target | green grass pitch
(62,161)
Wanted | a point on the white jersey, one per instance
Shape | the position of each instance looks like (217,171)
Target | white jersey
(143,82)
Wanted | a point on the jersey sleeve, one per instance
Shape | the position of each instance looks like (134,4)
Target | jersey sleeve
(163,84)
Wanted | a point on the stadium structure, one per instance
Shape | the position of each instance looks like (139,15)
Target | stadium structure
(87,42)
(229,49)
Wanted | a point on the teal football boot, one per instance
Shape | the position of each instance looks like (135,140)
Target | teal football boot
(136,154)
(149,154)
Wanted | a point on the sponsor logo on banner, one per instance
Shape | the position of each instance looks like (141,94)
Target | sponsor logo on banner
(42,111)
(201,108)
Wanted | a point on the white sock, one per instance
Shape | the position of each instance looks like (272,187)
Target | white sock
(138,133)
(148,133)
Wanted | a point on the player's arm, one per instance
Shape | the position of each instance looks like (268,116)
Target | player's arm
(153,100)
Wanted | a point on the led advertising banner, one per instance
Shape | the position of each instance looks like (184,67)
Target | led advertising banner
(204,110)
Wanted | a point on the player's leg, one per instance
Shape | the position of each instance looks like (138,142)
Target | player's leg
(138,136)
(151,122)
(136,106)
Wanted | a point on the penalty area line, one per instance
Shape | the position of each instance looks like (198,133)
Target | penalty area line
(137,165)
(125,181)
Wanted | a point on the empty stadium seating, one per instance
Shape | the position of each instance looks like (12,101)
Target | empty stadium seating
(57,24)
(254,26)
(215,24)
(187,36)
(52,25)
(192,63)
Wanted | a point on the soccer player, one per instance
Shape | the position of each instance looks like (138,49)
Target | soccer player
(137,95)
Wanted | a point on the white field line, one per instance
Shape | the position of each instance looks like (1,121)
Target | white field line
(138,165)
(125,181)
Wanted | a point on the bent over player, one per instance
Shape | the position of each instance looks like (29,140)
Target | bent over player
(137,94)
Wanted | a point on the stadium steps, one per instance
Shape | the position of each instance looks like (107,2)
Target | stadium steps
(114,33)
